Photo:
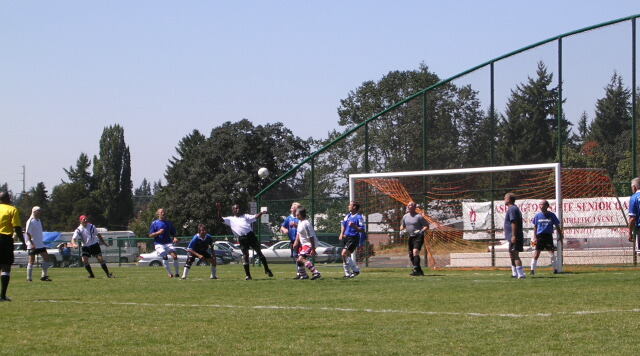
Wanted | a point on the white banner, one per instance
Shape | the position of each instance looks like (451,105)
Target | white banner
(581,218)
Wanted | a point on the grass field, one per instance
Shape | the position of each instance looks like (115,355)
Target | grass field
(382,311)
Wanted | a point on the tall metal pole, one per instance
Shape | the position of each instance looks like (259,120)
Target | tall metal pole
(560,128)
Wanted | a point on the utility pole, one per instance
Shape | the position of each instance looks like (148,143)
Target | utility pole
(23,180)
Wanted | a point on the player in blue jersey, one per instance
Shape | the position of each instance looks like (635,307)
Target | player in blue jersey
(164,236)
(199,248)
(543,223)
(352,226)
(634,209)
(290,228)
(514,234)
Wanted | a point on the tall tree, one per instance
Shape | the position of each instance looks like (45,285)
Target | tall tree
(142,197)
(112,174)
(71,199)
(611,126)
(223,168)
(528,128)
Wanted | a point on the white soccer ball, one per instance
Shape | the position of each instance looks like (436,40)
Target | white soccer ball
(263,172)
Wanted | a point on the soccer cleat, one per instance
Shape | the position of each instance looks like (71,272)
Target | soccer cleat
(297,276)
(269,273)
(248,278)
(355,273)
(213,277)
(522,277)
(349,276)
(45,279)
(91,276)
(110,276)
(183,278)
(29,280)
(304,276)
(414,273)
(555,271)
(170,275)
(316,276)
(532,272)
(5,299)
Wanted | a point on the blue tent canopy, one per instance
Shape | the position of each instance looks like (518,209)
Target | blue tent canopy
(50,238)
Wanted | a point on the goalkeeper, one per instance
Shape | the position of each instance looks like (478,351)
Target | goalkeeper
(544,221)
(415,225)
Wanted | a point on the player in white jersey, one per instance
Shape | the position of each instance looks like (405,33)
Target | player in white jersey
(243,231)
(90,245)
(35,244)
(306,242)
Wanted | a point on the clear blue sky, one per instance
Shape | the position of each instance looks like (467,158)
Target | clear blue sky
(163,68)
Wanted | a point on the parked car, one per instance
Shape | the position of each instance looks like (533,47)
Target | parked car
(281,252)
(235,249)
(152,259)
(21,257)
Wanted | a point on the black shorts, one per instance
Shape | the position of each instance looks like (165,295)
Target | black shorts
(545,243)
(6,249)
(416,242)
(205,256)
(351,242)
(36,251)
(249,241)
(517,247)
(91,251)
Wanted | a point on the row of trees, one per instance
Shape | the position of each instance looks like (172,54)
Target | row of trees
(221,167)
(104,192)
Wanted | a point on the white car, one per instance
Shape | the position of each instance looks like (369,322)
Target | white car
(235,249)
(21,257)
(152,259)
(281,252)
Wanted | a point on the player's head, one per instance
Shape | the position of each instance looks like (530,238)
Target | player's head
(36,212)
(510,198)
(235,209)
(635,184)
(84,220)
(294,207)
(5,198)
(301,213)
(354,206)
(411,207)
(543,205)
(161,214)
(202,230)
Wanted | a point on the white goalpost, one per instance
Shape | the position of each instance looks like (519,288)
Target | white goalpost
(554,167)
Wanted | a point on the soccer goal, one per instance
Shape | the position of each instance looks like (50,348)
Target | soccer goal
(466,210)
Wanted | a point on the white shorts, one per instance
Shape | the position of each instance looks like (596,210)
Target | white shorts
(163,249)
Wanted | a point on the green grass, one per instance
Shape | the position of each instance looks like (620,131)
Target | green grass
(382,311)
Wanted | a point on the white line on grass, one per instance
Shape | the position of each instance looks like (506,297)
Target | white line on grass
(354,310)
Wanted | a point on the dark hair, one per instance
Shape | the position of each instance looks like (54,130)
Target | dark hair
(302,212)
(356,205)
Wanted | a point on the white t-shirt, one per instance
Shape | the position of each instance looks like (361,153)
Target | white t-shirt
(240,225)
(34,228)
(87,234)
(306,233)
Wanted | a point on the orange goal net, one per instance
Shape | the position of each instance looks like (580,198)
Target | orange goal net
(466,214)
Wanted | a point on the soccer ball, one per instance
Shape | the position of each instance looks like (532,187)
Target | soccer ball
(263,173)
